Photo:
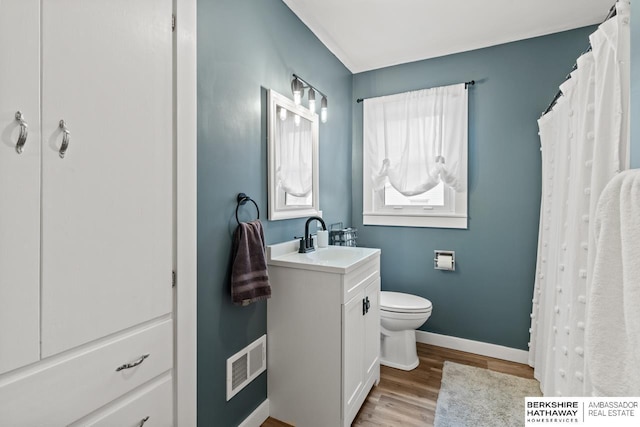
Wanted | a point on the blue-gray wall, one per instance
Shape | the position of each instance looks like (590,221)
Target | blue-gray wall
(244,48)
(488,297)
(635,85)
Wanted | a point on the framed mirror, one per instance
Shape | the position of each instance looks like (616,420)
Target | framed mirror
(293,159)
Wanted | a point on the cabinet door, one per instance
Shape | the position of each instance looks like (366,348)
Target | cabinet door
(353,351)
(19,184)
(372,329)
(107,205)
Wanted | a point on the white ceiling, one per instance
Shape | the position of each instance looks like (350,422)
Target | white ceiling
(370,34)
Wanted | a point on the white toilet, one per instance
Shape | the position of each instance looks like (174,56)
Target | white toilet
(400,315)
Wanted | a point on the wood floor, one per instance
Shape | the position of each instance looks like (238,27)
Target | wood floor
(406,399)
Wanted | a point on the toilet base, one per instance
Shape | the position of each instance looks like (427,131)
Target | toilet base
(398,349)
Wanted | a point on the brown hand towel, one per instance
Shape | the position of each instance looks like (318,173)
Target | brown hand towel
(249,279)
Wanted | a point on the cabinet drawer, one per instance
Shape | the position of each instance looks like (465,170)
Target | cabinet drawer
(355,280)
(150,406)
(65,388)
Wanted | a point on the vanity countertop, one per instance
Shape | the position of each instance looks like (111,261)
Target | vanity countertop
(332,259)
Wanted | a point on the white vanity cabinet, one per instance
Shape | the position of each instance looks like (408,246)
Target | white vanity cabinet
(86,196)
(323,334)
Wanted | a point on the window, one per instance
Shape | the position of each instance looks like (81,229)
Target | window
(431,199)
(415,159)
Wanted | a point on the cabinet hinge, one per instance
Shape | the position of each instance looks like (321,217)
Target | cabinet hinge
(173,23)
(173,279)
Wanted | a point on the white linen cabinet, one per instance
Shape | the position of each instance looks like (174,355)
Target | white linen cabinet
(86,209)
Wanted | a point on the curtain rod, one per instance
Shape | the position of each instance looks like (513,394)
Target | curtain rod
(554,101)
(466,84)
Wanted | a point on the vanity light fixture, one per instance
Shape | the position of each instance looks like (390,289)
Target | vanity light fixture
(298,85)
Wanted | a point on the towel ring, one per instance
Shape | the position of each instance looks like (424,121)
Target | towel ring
(242,199)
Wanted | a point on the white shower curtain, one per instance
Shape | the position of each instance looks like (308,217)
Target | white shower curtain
(584,143)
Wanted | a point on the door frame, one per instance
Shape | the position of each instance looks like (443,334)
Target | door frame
(185,210)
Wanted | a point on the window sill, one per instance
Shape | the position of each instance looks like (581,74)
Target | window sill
(458,222)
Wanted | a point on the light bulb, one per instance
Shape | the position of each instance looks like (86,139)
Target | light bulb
(312,100)
(283,114)
(296,120)
(323,109)
(297,88)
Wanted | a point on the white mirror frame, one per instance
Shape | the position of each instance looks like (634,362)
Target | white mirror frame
(275,101)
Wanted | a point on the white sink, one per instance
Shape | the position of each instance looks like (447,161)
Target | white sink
(336,259)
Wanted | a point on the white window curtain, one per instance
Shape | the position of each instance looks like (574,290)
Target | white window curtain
(584,142)
(294,156)
(416,139)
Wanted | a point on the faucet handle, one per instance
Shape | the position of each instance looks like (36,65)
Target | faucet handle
(302,245)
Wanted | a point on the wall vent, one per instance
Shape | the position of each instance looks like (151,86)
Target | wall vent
(244,366)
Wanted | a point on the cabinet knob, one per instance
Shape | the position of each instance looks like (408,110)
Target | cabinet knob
(24,131)
(143,421)
(65,139)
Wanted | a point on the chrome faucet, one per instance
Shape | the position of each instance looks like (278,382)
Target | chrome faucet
(306,242)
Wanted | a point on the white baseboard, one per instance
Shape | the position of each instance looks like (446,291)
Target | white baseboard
(476,347)
(258,416)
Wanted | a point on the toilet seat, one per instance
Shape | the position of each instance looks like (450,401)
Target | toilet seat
(397,302)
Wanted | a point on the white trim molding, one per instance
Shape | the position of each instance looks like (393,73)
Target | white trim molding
(258,416)
(432,221)
(185,116)
(476,347)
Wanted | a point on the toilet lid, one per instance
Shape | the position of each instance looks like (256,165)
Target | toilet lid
(404,303)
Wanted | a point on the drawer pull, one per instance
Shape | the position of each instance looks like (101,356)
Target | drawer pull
(24,131)
(132,364)
(65,138)
(143,421)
